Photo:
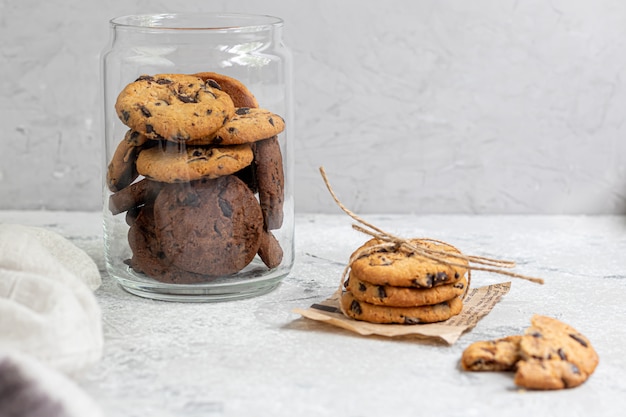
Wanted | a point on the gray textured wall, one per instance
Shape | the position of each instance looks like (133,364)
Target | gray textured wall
(412,106)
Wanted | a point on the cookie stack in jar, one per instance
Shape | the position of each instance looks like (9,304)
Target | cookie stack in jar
(199,176)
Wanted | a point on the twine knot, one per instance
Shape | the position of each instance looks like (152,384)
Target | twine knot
(418,246)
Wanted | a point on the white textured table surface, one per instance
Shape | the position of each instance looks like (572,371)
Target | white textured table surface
(256,357)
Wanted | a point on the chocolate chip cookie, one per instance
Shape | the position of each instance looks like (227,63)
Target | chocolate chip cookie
(174,164)
(121,171)
(404,268)
(209,227)
(246,126)
(174,107)
(554,355)
(492,355)
(360,310)
(549,355)
(387,295)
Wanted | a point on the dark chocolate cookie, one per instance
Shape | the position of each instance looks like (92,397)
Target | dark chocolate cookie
(271,181)
(137,194)
(209,227)
(270,251)
(238,92)
(148,258)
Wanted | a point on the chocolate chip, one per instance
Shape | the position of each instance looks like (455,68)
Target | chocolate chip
(226,208)
(575,369)
(125,115)
(242,110)
(411,320)
(145,78)
(440,277)
(355,307)
(562,354)
(430,279)
(381,292)
(197,152)
(214,84)
(456,275)
(536,334)
(145,111)
(579,339)
(362,287)
(191,199)
(271,121)
(186,99)
(209,112)
(232,130)
(163,81)
(217,140)
(149,128)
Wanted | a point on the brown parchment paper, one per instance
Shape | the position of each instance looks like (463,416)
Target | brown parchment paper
(476,305)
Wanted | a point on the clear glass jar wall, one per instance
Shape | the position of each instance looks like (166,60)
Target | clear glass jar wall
(198,193)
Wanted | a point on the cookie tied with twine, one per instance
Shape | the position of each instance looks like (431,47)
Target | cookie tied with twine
(436,251)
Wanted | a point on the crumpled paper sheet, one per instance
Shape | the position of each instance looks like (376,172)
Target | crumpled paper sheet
(476,305)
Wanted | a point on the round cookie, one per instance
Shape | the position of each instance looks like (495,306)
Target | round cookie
(147,255)
(270,179)
(142,192)
(246,126)
(209,227)
(401,268)
(171,164)
(270,251)
(554,355)
(360,310)
(492,355)
(121,171)
(174,107)
(238,92)
(403,296)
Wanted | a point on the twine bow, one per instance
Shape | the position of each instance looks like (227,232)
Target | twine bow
(418,247)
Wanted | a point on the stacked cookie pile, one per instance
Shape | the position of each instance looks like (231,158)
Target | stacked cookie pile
(549,355)
(404,287)
(200,176)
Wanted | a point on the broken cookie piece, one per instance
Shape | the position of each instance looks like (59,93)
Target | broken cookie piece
(550,355)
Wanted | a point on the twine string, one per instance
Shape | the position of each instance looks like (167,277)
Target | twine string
(390,242)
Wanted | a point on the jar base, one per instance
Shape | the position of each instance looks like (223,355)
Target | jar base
(224,290)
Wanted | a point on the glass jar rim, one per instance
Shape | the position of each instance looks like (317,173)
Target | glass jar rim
(197,21)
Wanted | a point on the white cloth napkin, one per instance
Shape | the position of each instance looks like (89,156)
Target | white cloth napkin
(50,323)
(47,306)
(28,388)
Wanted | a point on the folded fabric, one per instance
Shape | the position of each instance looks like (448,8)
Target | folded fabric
(37,249)
(29,388)
(47,306)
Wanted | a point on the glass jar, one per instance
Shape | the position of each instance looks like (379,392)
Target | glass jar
(198,184)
